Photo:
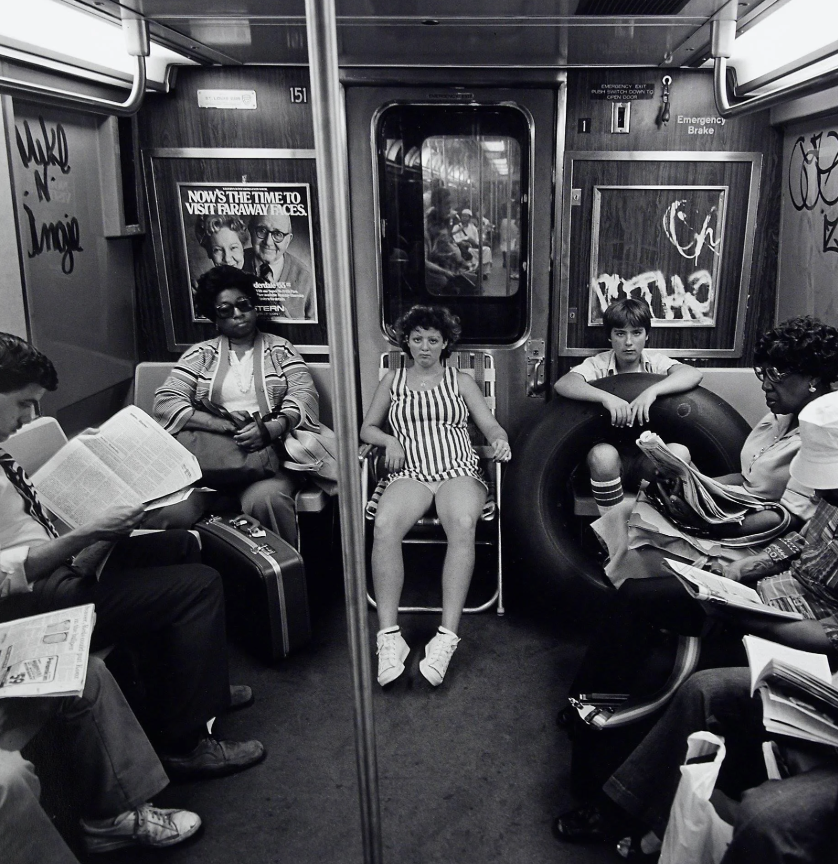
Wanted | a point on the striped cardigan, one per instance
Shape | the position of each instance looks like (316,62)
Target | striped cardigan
(284,386)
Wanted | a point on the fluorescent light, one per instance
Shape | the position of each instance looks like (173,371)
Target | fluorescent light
(494,146)
(62,32)
(799,28)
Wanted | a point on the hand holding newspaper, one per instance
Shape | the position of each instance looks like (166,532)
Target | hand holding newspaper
(721,591)
(130,459)
(798,692)
(713,502)
(46,655)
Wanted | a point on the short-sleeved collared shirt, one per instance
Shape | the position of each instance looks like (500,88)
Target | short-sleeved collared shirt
(605,364)
(765,459)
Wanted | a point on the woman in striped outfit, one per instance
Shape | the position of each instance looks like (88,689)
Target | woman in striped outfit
(426,406)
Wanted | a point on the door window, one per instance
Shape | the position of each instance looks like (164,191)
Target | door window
(453,193)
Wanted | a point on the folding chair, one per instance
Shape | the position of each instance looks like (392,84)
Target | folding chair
(428,530)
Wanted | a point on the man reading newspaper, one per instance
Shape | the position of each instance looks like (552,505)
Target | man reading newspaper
(113,767)
(152,596)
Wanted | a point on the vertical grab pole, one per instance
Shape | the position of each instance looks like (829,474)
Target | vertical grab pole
(333,195)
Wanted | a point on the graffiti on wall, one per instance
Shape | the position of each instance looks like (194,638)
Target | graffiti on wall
(813,182)
(661,244)
(46,153)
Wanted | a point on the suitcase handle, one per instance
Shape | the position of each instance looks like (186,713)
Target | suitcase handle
(248,526)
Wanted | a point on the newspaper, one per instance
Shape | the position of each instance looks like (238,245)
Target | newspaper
(798,693)
(719,590)
(130,459)
(46,655)
(714,502)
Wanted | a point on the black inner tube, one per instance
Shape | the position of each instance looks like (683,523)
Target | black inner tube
(538,519)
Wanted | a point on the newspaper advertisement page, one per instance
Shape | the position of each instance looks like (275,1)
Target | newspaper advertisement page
(131,460)
(46,655)
(261,228)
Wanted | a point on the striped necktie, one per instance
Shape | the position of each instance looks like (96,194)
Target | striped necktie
(18,478)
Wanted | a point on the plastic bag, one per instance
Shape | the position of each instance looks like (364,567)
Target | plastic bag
(695,833)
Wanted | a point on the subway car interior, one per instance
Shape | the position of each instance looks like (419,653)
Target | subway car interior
(523,165)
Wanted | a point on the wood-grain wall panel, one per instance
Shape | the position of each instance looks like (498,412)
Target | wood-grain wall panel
(691,96)
(174,120)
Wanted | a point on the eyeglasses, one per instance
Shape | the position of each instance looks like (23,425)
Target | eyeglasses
(228,310)
(261,231)
(771,373)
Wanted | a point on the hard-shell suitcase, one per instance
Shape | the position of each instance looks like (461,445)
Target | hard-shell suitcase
(264,584)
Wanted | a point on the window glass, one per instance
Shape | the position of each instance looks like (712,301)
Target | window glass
(452,192)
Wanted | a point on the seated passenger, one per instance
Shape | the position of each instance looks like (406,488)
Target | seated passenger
(778,821)
(466,233)
(114,772)
(800,571)
(246,372)
(430,459)
(628,324)
(152,594)
(797,362)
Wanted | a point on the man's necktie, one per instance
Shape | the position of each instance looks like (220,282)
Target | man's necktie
(18,478)
(265,272)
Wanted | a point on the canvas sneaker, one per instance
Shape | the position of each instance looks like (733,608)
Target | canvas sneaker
(150,826)
(392,651)
(438,655)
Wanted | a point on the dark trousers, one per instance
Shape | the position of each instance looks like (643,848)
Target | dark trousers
(621,655)
(778,822)
(156,598)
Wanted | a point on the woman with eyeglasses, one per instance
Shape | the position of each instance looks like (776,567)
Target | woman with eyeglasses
(248,373)
(796,362)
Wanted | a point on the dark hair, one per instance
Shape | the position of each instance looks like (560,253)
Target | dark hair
(219,279)
(429,318)
(628,312)
(804,344)
(207,226)
(21,364)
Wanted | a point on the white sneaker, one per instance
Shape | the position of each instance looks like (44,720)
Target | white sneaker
(150,826)
(438,655)
(392,651)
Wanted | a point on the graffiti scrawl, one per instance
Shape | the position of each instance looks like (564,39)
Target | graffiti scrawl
(689,242)
(813,180)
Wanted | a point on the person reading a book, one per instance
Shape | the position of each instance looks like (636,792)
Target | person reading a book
(113,768)
(777,821)
(152,594)
(797,362)
(245,372)
(620,464)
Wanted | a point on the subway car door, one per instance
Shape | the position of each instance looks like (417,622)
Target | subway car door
(452,202)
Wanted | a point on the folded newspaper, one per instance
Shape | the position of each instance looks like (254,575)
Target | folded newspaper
(46,655)
(797,689)
(130,459)
(713,502)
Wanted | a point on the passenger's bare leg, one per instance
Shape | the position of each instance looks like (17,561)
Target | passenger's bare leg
(458,503)
(401,505)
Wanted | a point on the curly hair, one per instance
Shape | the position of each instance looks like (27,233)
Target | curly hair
(429,318)
(628,312)
(207,226)
(21,364)
(218,279)
(804,344)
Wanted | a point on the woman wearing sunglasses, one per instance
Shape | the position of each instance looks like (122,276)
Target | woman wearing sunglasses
(246,372)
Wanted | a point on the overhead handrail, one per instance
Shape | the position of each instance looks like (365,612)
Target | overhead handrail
(138,46)
(722,37)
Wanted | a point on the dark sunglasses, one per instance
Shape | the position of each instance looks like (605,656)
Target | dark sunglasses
(771,373)
(228,310)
